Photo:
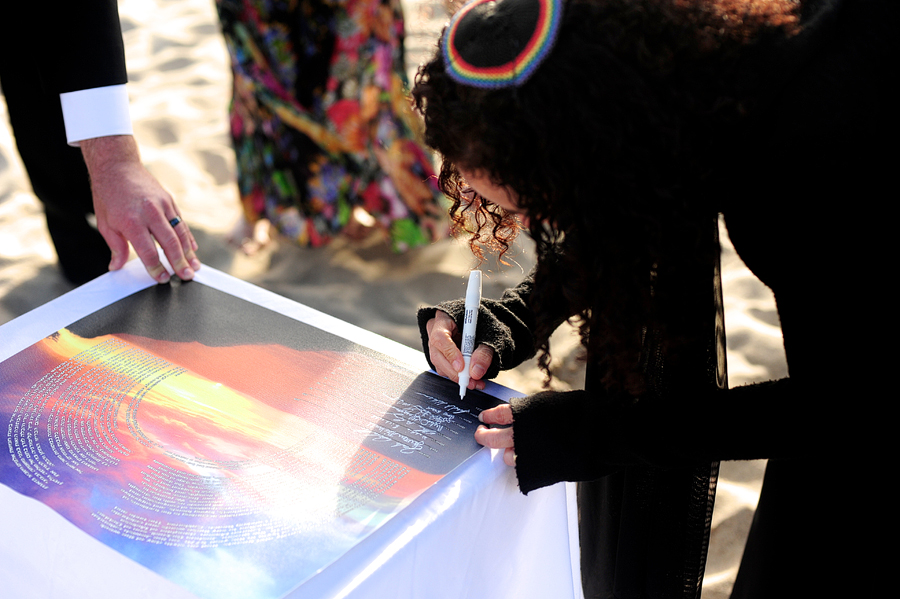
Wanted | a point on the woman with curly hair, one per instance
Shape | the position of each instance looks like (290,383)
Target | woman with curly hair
(615,132)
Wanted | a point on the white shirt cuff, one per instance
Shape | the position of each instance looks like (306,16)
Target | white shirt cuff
(96,112)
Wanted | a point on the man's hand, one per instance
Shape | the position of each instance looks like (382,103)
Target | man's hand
(443,348)
(131,206)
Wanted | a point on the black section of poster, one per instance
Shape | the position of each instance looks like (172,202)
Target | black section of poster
(192,311)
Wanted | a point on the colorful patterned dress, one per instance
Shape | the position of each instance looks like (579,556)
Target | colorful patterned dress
(321,122)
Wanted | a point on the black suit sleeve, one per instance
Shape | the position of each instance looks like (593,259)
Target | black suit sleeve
(85,48)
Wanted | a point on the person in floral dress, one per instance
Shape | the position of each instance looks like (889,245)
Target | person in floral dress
(325,139)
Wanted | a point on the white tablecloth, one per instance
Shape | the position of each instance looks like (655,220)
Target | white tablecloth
(471,535)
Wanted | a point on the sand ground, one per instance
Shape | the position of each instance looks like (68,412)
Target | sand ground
(179,89)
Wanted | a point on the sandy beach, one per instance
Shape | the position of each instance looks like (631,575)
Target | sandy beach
(179,88)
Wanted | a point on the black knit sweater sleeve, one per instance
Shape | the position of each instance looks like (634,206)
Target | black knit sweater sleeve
(504,324)
(583,435)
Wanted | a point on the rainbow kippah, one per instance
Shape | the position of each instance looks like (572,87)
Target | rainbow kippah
(500,43)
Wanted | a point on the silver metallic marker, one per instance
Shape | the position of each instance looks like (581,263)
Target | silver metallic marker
(473,299)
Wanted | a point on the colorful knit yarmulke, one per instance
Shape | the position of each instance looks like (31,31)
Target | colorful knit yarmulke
(500,43)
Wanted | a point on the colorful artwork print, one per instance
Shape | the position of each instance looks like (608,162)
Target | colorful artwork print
(230,449)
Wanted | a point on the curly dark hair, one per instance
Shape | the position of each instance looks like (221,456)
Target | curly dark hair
(602,146)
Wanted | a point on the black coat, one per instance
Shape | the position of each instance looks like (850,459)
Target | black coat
(47,49)
(802,182)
